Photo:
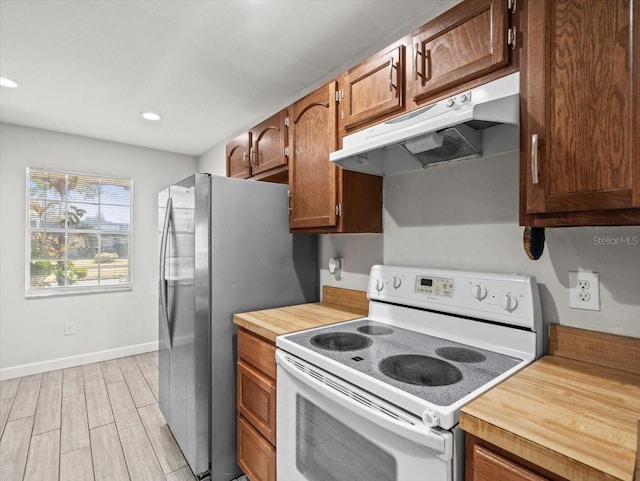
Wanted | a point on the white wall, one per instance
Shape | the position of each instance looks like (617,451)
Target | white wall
(31,330)
(213,161)
(465,216)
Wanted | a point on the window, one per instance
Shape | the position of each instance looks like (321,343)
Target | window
(78,233)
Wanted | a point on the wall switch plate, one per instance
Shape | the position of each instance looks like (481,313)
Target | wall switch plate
(584,290)
(69,328)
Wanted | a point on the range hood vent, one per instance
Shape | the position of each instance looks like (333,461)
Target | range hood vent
(449,130)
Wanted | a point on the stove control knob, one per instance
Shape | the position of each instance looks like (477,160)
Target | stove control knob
(479,291)
(465,97)
(379,285)
(449,102)
(508,302)
(430,417)
(396,282)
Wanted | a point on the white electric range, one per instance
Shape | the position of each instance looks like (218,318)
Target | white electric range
(378,398)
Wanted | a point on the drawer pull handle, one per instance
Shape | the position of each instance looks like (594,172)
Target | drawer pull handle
(534,158)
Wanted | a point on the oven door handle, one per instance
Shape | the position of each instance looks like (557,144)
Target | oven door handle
(441,441)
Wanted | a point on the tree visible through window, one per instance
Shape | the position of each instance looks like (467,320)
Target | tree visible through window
(79,229)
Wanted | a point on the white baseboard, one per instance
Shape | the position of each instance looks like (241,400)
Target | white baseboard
(78,360)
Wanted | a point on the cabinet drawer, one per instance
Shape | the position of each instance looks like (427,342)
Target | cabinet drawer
(257,400)
(488,466)
(257,352)
(256,457)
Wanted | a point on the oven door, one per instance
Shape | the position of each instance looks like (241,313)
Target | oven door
(329,430)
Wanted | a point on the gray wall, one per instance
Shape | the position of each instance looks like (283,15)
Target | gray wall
(31,330)
(465,216)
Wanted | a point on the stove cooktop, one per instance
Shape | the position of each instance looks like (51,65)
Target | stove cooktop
(433,369)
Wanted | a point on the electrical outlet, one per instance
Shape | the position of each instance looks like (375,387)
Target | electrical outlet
(584,290)
(69,328)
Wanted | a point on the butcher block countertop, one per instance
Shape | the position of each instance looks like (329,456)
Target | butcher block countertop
(338,305)
(574,413)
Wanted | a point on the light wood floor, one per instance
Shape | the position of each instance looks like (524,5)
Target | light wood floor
(97,422)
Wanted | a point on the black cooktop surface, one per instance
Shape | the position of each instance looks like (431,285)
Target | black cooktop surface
(434,369)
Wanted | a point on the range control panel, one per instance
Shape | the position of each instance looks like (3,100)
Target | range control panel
(434,286)
(512,299)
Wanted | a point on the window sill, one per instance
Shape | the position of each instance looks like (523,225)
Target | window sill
(74,291)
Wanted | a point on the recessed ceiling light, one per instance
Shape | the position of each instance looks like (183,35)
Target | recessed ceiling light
(151,116)
(7,82)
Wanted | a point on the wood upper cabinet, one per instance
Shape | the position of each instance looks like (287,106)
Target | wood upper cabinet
(580,87)
(269,146)
(324,198)
(237,152)
(373,89)
(261,153)
(313,179)
(465,42)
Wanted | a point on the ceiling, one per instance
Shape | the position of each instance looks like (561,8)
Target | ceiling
(210,68)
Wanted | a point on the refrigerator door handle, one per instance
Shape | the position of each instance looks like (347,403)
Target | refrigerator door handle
(164,308)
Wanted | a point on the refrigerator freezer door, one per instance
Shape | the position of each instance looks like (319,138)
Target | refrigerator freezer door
(163,326)
(188,292)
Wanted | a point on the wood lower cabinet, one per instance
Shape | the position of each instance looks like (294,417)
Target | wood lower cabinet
(257,400)
(580,89)
(485,462)
(466,42)
(256,403)
(489,466)
(373,90)
(323,197)
(256,456)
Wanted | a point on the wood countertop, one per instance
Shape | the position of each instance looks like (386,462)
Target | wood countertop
(270,323)
(574,418)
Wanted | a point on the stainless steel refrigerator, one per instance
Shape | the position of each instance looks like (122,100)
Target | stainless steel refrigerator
(225,247)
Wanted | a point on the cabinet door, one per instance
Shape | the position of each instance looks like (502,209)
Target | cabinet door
(374,88)
(256,457)
(466,42)
(488,466)
(237,152)
(269,143)
(581,146)
(312,177)
(257,400)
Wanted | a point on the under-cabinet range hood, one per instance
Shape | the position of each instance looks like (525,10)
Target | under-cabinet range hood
(449,130)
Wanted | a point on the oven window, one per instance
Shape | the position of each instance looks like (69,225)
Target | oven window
(327,450)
